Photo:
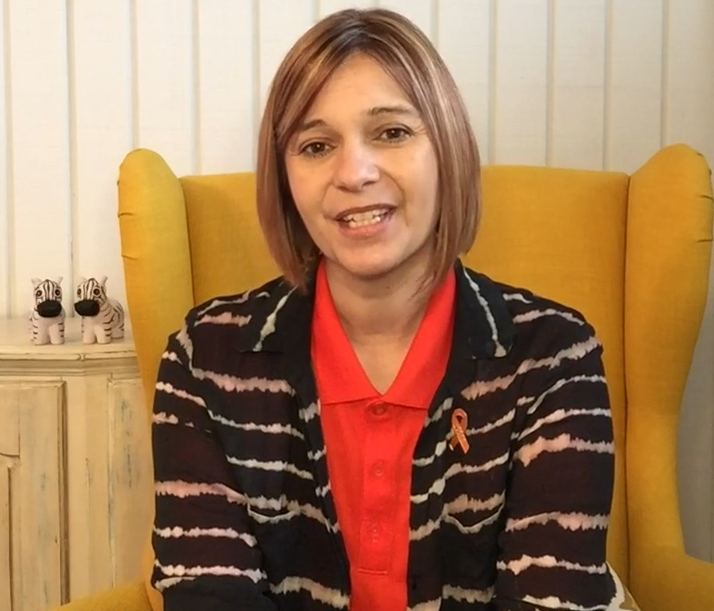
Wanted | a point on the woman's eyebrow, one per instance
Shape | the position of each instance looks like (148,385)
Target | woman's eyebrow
(398,109)
(375,111)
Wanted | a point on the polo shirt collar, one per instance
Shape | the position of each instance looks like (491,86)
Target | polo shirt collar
(483,326)
(342,378)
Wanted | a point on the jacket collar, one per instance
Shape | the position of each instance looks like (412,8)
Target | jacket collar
(483,326)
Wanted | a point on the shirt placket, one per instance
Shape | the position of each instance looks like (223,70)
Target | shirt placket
(379,490)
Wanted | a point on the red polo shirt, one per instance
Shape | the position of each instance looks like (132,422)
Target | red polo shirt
(370,440)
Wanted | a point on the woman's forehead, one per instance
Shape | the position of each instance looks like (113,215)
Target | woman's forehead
(360,86)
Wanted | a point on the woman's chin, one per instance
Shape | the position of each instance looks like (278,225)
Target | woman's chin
(364,268)
(374,266)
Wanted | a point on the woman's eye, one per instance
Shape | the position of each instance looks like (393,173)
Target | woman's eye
(315,149)
(394,134)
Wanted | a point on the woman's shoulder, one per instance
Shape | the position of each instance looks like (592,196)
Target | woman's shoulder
(245,302)
(549,328)
(526,305)
(236,317)
(534,317)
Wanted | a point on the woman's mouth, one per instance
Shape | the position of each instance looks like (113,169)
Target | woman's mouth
(367,222)
(364,219)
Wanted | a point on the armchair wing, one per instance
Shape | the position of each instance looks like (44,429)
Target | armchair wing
(669,242)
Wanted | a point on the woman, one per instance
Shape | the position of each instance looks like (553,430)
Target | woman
(380,428)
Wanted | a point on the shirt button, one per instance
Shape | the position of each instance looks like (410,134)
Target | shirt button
(379,468)
(379,410)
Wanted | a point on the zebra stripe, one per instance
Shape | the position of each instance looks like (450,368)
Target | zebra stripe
(46,329)
(108,323)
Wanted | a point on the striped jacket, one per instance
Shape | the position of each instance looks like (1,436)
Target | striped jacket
(245,518)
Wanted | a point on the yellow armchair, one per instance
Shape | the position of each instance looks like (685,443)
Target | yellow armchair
(631,252)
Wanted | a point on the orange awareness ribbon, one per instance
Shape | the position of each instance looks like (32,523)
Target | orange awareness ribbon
(459,422)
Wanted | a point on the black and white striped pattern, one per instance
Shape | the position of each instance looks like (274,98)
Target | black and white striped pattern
(47,315)
(244,511)
(102,316)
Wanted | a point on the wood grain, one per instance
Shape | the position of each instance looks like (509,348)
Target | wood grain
(6,527)
(131,481)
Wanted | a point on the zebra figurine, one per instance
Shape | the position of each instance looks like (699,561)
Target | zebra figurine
(102,316)
(46,318)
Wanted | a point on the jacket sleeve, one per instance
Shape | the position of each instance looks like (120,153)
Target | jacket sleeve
(206,556)
(553,545)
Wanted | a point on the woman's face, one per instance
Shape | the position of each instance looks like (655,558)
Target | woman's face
(363,174)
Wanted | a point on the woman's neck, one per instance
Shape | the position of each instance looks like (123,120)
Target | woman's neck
(381,310)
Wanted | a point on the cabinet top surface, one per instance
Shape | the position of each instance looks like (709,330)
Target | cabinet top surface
(15,343)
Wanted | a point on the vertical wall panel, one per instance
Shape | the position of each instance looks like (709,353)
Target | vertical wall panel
(102,96)
(421,12)
(165,94)
(688,116)
(635,83)
(227,108)
(281,23)
(5,188)
(325,7)
(689,107)
(40,169)
(577,119)
(521,83)
(464,43)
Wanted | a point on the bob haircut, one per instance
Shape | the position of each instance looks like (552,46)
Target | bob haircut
(408,56)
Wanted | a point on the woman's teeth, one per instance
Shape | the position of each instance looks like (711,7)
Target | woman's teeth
(362,219)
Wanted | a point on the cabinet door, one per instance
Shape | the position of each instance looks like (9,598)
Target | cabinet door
(110,481)
(32,572)
(131,480)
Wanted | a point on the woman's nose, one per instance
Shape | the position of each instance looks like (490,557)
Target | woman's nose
(355,167)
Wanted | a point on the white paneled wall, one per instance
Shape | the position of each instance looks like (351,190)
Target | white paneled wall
(101,119)
(597,84)
(576,105)
(7,243)
(38,145)
(578,83)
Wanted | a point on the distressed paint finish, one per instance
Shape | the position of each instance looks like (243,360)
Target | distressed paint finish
(72,434)
(130,478)
(6,526)
(31,503)
(90,549)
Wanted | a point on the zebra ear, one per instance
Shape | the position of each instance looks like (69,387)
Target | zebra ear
(59,280)
(103,282)
(36,282)
(82,280)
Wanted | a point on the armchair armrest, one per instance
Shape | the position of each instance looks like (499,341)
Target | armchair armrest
(129,597)
(672,580)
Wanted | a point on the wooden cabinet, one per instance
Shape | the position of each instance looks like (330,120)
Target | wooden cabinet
(75,468)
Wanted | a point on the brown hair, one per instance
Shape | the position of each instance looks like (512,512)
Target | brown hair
(408,56)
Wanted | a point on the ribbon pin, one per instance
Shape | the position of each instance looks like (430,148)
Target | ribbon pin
(459,422)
